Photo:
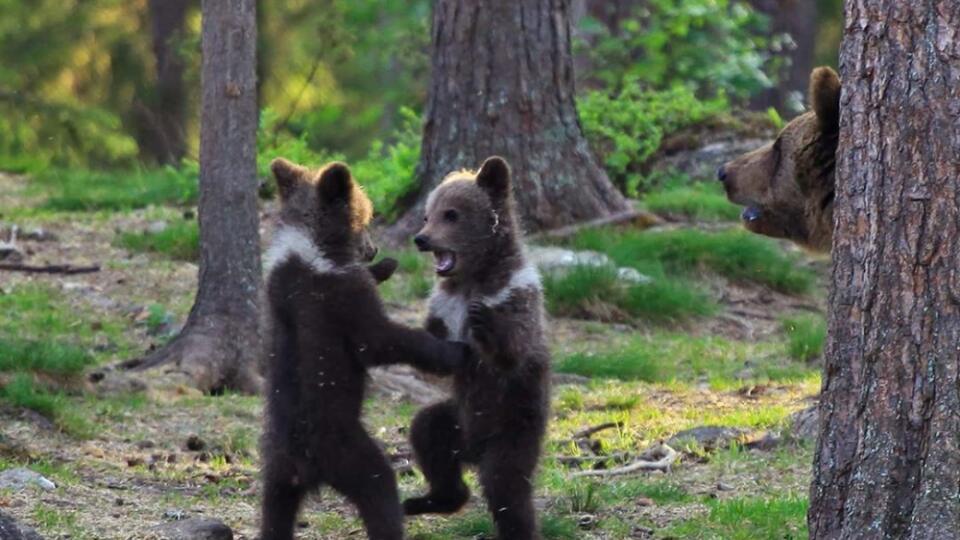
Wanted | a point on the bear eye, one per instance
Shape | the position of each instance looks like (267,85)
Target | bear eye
(450,216)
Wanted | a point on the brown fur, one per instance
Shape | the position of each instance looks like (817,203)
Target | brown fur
(326,327)
(492,298)
(787,186)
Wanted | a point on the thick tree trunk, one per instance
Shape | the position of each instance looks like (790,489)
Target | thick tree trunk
(220,344)
(163,136)
(502,83)
(887,463)
(798,18)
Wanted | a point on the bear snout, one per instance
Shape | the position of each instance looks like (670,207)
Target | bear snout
(722,174)
(422,241)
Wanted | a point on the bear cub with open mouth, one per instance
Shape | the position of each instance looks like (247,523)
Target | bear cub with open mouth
(326,327)
(490,296)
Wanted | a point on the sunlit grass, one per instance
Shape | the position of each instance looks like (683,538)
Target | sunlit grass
(85,190)
(701,201)
(747,519)
(806,335)
(179,241)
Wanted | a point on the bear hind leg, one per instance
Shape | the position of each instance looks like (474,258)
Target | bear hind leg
(438,447)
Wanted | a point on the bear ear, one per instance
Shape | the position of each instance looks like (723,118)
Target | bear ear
(335,182)
(494,177)
(287,175)
(825,97)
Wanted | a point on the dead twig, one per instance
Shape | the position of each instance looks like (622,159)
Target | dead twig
(586,433)
(50,268)
(659,457)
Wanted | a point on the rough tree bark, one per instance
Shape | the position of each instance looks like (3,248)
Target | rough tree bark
(163,122)
(798,18)
(502,83)
(220,343)
(887,462)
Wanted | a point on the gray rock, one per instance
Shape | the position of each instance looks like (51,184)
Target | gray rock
(21,478)
(156,227)
(702,162)
(709,438)
(194,529)
(11,530)
(10,253)
(805,424)
(554,259)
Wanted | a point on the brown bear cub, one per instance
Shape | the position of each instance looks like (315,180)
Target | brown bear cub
(787,186)
(326,326)
(489,295)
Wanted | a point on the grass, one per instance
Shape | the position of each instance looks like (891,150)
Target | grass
(47,357)
(806,336)
(598,293)
(665,356)
(747,519)
(734,254)
(178,241)
(86,190)
(701,201)
(413,279)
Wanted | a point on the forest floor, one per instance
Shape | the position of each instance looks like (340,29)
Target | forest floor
(125,462)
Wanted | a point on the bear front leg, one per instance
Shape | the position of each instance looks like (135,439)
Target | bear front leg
(437,442)
(398,344)
(490,335)
(382,270)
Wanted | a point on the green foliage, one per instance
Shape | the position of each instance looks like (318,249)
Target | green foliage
(178,241)
(703,201)
(42,356)
(733,253)
(626,129)
(413,279)
(747,519)
(806,336)
(664,356)
(599,293)
(85,190)
(714,46)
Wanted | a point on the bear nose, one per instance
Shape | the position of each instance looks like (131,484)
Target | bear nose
(422,242)
(722,174)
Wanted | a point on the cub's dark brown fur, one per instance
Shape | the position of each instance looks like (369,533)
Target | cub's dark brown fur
(327,326)
(489,295)
(787,186)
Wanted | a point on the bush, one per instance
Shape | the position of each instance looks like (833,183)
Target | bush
(627,128)
(714,46)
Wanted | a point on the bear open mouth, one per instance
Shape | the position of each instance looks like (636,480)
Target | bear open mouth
(445,262)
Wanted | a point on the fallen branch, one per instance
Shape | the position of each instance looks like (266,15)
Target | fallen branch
(585,433)
(664,458)
(641,217)
(572,461)
(50,268)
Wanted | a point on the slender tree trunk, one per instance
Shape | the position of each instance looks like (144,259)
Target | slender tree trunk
(887,463)
(502,83)
(220,344)
(163,131)
(798,18)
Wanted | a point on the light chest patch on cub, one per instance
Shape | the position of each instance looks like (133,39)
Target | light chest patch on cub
(451,308)
(293,242)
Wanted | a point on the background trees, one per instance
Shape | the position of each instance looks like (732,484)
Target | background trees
(888,459)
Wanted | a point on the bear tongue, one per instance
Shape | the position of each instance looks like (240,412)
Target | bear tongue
(445,261)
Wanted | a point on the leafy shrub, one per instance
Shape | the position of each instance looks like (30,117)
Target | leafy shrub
(714,46)
(626,129)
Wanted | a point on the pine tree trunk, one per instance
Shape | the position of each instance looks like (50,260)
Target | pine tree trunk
(220,344)
(887,462)
(163,136)
(502,83)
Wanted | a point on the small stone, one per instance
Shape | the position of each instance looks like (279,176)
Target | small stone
(11,530)
(156,227)
(721,486)
(134,461)
(174,514)
(707,437)
(20,478)
(195,443)
(145,444)
(646,501)
(194,529)
(118,502)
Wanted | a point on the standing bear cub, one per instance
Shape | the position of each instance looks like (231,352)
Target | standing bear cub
(489,295)
(326,326)
(787,186)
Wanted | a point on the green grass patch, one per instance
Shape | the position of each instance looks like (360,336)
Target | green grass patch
(701,201)
(47,357)
(479,525)
(806,335)
(22,391)
(597,292)
(179,241)
(664,356)
(734,254)
(86,190)
(413,279)
(747,519)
